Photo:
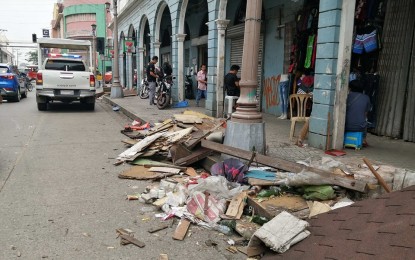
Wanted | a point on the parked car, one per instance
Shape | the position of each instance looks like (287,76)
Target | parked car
(12,85)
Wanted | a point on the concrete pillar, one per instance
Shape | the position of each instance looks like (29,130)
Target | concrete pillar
(220,67)
(180,65)
(156,46)
(246,129)
(140,65)
(129,70)
(247,111)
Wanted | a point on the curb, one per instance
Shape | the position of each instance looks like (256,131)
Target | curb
(125,111)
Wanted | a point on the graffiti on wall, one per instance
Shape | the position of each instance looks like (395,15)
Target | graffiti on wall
(271,91)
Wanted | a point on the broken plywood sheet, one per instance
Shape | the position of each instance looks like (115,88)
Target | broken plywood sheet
(200,115)
(138,147)
(273,206)
(188,119)
(173,137)
(142,173)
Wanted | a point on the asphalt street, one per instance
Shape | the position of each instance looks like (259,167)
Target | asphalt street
(60,197)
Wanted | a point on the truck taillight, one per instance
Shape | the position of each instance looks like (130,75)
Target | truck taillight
(92,81)
(39,79)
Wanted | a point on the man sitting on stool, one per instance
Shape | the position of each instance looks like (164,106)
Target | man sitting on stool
(357,107)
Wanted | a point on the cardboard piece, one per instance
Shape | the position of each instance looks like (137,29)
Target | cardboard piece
(181,229)
(236,207)
(142,173)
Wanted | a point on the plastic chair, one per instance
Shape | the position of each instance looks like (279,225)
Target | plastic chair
(298,101)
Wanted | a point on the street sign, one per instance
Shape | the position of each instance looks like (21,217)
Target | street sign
(45,33)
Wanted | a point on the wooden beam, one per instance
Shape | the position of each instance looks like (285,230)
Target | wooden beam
(196,155)
(288,166)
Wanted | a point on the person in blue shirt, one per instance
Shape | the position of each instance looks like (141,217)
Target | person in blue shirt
(357,107)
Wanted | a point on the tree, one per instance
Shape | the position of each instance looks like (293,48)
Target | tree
(31,56)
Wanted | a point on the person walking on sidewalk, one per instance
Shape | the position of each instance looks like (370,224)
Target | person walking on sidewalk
(201,84)
(151,78)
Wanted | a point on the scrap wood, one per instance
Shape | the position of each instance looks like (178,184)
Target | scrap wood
(271,207)
(198,114)
(124,231)
(178,151)
(173,137)
(206,133)
(191,172)
(378,177)
(163,257)
(150,163)
(236,206)
(142,173)
(197,155)
(188,119)
(164,170)
(232,249)
(181,229)
(158,228)
(138,147)
(126,239)
(278,163)
(129,141)
(160,128)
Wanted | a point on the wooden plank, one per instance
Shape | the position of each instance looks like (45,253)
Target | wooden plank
(181,229)
(197,155)
(126,239)
(164,169)
(158,228)
(285,165)
(163,257)
(188,119)
(142,173)
(236,206)
(191,172)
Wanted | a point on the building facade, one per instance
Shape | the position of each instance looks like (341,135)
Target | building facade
(315,41)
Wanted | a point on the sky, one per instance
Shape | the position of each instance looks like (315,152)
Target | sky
(21,18)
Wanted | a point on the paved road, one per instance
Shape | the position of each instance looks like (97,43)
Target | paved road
(60,197)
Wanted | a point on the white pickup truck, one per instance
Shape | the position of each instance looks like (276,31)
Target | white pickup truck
(64,77)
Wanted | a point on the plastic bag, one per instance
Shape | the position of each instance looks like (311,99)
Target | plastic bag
(209,210)
(218,186)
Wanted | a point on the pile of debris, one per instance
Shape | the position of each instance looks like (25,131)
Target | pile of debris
(265,200)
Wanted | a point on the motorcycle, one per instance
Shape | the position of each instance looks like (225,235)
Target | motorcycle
(188,86)
(143,91)
(163,91)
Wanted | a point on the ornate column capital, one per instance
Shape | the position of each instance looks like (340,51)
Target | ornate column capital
(222,24)
(180,37)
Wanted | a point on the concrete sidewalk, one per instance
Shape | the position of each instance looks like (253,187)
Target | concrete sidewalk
(385,150)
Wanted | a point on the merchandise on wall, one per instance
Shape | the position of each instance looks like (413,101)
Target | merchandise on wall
(367,44)
(303,51)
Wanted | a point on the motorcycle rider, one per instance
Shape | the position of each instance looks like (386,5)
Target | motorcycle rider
(152,78)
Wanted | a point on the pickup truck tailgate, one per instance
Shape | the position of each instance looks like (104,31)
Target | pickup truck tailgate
(66,79)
